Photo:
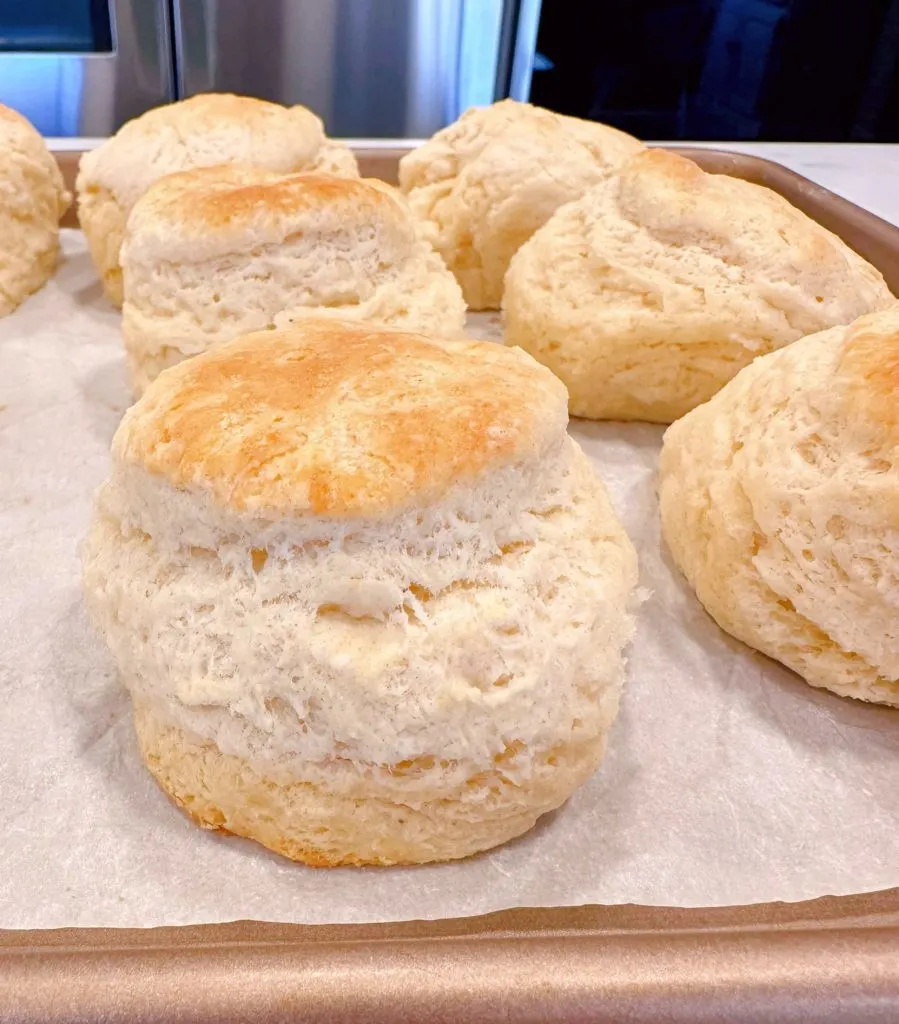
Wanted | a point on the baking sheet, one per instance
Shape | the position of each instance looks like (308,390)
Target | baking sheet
(727,781)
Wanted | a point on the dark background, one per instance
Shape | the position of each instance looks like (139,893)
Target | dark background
(806,70)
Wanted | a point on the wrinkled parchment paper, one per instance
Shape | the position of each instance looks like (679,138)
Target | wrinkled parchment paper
(728,780)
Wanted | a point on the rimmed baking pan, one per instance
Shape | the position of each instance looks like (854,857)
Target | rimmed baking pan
(829,959)
(825,960)
(870,235)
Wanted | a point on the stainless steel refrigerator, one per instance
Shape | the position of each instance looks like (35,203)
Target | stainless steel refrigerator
(369,68)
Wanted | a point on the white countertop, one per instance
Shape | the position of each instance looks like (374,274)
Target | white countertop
(866,173)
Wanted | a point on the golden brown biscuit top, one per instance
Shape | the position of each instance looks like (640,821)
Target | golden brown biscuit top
(214,110)
(339,418)
(10,116)
(17,132)
(208,212)
(869,363)
(218,196)
(204,130)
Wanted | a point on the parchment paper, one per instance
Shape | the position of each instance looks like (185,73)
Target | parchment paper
(728,780)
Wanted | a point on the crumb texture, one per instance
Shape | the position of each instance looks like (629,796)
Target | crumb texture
(386,629)
(217,252)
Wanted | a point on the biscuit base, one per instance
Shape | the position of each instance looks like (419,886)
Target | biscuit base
(28,279)
(372,821)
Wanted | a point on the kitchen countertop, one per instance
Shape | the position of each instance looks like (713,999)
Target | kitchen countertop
(864,172)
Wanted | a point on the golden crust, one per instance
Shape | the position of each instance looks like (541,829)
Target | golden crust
(210,129)
(654,289)
(215,197)
(13,117)
(683,172)
(212,106)
(869,361)
(22,146)
(32,200)
(338,418)
(198,114)
(204,130)
(183,214)
(375,824)
(707,203)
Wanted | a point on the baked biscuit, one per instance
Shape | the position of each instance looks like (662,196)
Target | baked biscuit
(654,289)
(208,129)
(780,505)
(33,198)
(217,252)
(483,185)
(368,596)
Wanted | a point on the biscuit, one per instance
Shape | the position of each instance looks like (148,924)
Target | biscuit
(207,129)
(217,252)
(33,198)
(483,185)
(780,505)
(368,596)
(654,289)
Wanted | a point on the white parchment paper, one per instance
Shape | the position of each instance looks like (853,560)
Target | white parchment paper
(728,780)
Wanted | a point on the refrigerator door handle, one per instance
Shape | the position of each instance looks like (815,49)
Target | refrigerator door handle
(525,49)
